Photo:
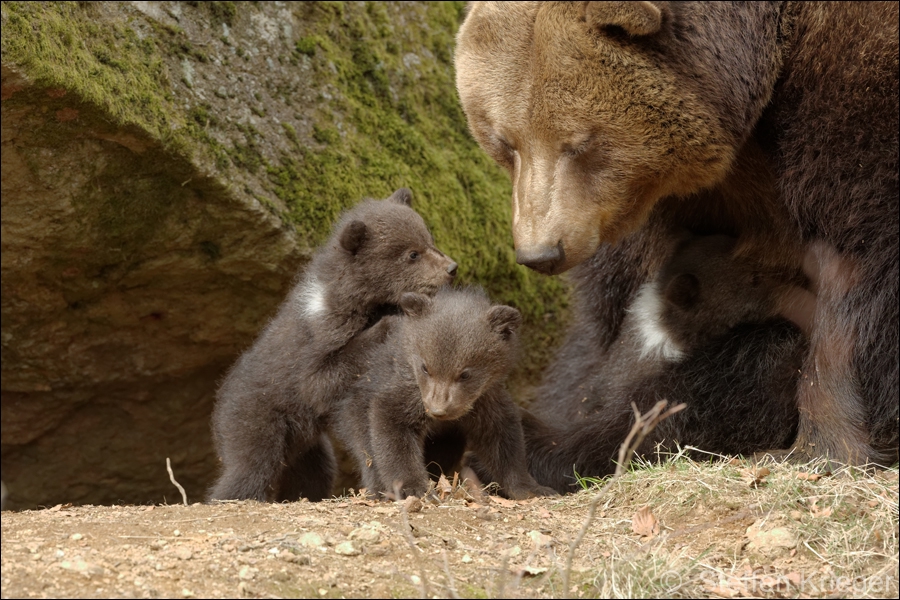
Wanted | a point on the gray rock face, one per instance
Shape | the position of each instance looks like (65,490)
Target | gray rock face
(167,168)
(130,280)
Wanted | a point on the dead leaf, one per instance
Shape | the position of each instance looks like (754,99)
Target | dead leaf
(540,539)
(795,578)
(544,513)
(56,508)
(758,474)
(721,591)
(809,476)
(443,487)
(819,512)
(504,502)
(645,523)
(529,571)
(412,504)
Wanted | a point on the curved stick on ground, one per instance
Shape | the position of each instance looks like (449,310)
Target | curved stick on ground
(643,425)
(172,479)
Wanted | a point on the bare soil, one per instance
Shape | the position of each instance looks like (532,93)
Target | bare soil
(680,529)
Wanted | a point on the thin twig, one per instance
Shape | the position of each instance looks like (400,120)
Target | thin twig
(172,478)
(642,427)
(407,530)
(451,583)
(521,572)
(500,588)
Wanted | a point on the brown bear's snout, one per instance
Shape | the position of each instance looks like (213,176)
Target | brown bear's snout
(543,259)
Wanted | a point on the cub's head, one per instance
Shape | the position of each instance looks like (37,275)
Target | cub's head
(386,250)
(599,109)
(706,289)
(458,345)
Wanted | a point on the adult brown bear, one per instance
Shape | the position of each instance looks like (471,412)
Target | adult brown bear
(773,122)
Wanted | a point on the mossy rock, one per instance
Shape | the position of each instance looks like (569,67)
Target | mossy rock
(214,144)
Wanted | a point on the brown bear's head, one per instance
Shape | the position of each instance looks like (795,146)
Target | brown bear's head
(599,109)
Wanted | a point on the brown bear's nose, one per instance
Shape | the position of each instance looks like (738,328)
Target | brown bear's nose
(544,259)
(451,270)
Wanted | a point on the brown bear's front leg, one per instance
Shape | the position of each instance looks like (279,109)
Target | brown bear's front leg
(832,410)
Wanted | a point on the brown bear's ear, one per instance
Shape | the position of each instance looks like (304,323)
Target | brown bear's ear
(683,291)
(505,320)
(415,305)
(635,18)
(402,196)
(353,236)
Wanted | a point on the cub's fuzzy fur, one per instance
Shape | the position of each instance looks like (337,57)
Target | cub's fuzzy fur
(704,297)
(698,295)
(269,423)
(440,376)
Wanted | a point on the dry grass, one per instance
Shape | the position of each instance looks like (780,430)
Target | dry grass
(822,533)
(677,528)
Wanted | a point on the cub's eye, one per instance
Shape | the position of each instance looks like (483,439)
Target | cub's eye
(413,255)
(424,369)
(465,375)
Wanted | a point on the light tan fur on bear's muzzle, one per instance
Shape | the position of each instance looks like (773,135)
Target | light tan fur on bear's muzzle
(593,131)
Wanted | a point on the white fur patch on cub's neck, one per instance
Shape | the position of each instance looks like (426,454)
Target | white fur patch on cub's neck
(646,311)
(311,300)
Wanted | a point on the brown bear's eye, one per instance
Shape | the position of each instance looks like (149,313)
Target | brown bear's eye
(424,369)
(464,375)
(413,255)
(505,150)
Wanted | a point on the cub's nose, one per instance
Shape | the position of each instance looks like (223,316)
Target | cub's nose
(451,269)
(437,412)
(543,259)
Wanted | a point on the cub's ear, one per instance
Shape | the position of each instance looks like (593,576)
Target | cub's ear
(353,236)
(505,320)
(683,290)
(415,305)
(402,196)
(635,18)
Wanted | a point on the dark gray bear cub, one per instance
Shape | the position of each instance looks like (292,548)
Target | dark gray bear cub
(440,374)
(273,409)
(704,297)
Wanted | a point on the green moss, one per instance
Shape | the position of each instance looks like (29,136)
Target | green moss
(307,45)
(221,12)
(387,117)
(403,126)
(60,45)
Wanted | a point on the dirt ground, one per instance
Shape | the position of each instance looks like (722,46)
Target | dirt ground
(682,529)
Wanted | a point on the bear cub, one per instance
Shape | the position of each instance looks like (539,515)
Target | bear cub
(703,297)
(274,406)
(439,375)
(703,291)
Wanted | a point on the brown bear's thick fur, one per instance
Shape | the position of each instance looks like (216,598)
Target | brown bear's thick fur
(274,406)
(773,122)
(705,298)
